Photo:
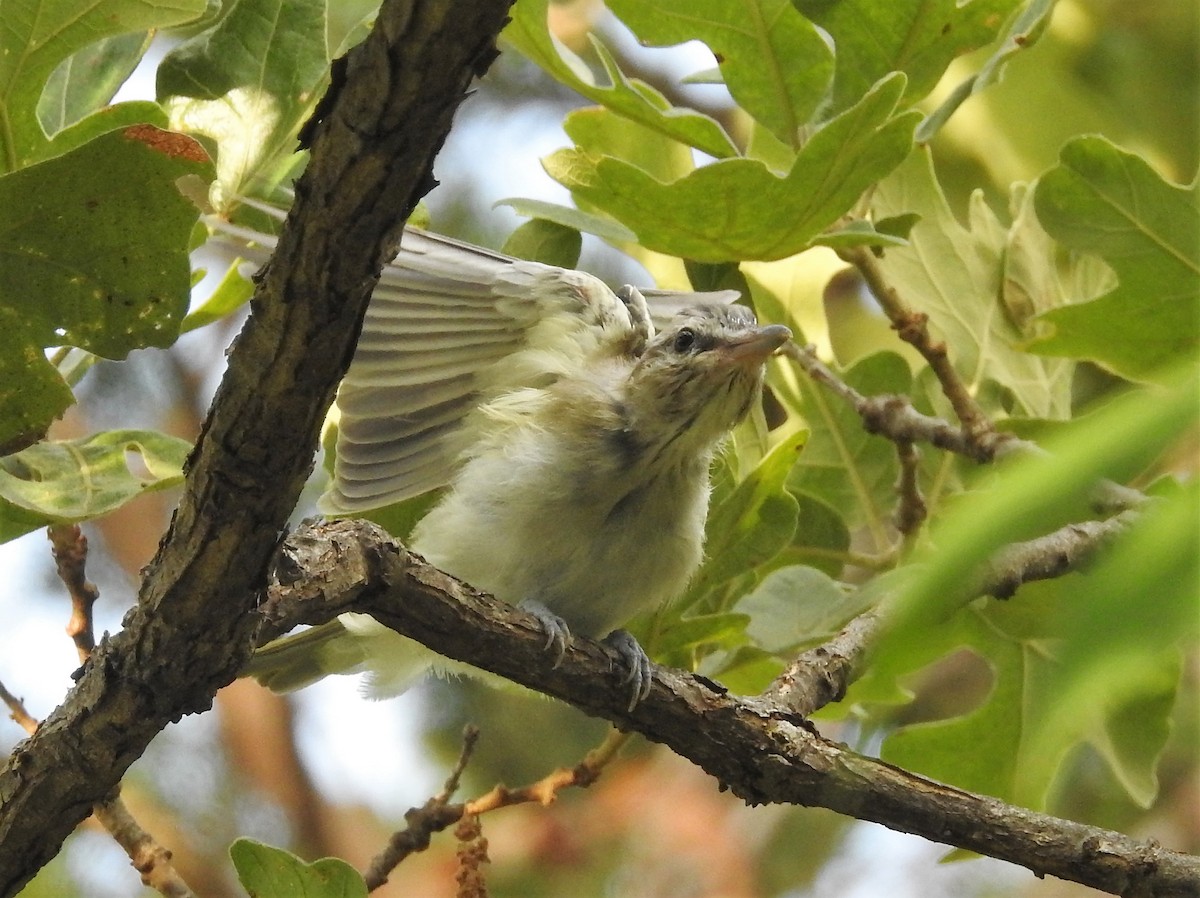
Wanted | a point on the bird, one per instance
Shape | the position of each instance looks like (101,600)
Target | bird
(571,427)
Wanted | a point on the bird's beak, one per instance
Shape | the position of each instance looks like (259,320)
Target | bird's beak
(756,345)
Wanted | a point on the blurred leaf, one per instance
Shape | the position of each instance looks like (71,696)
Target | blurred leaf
(247,83)
(919,39)
(36,38)
(604,228)
(774,62)
(631,98)
(1031,496)
(229,295)
(267,872)
(76,480)
(953,274)
(1103,200)
(93,253)
(738,209)
(749,525)
(1025,29)
(87,80)
(544,241)
(794,605)
(822,537)
(858,233)
(685,633)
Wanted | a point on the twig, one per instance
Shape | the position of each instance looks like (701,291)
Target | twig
(821,675)
(911,509)
(437,814)
(432,817)
(17,711)
(913,328)
(894,417)
(148,857)
(70,548)
(1066,549)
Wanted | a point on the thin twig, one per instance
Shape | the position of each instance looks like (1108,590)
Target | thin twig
(821,675)
(17,711)
(893,416)
(437,814)
(149,857)
(70,548)
(911,509)
(913,328)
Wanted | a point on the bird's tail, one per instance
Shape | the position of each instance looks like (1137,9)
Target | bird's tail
(299,660)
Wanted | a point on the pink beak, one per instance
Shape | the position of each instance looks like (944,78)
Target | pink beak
(755,346)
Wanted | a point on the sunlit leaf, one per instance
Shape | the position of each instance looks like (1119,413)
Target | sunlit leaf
(774,62)
(247,83)
(632,98)
(954,273)
(93,253)
(36,38)
(738,209)
(919,39)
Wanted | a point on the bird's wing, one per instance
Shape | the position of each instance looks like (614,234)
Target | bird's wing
(449,326)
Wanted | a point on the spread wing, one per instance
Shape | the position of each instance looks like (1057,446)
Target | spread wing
(449,326)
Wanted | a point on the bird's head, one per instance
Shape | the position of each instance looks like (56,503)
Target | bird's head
(700,375)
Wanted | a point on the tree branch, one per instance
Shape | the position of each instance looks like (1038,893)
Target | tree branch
(380,126)
(762,751)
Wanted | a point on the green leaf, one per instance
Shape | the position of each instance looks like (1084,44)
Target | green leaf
(267,872)
(87,80)
(632,98)
(546,242)
(794,605)
(919,39)
(77,480)
(1033,495)
(36,38)
(93,244)
(32,393)
(589,223)
(954,275)
(93,253)
(738,209)
(1025,29)
(248,83)
(749,525)
(229,295)
(1103,200)
(844,466)
(774,62)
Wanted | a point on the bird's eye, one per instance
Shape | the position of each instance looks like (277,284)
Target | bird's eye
(685,339)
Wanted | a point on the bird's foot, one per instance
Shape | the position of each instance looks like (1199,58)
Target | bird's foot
(639,676)
(558,634)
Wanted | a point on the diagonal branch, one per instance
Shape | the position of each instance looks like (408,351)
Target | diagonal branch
(760,750)
(372,150)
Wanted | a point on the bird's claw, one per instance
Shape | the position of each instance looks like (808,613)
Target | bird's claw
(639,674)
(558,634)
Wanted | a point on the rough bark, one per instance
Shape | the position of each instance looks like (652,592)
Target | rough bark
(379,128)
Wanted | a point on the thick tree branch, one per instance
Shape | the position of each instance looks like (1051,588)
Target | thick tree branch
(372,150)
(761,751)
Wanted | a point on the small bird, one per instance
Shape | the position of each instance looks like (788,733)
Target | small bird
(574,439)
